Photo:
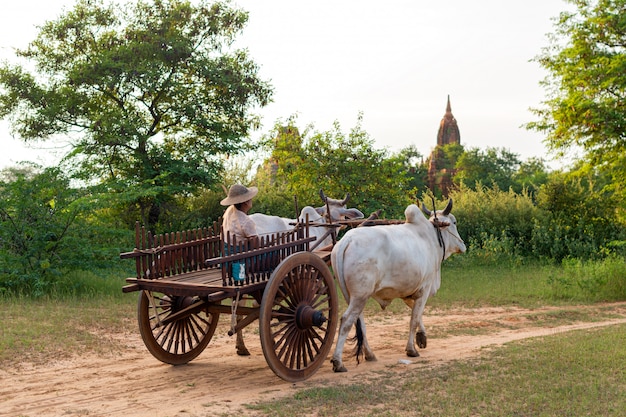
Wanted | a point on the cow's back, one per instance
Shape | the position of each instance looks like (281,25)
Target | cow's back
(389,261)
(266,224)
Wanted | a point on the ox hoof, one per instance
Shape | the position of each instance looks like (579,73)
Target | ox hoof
(421,339)
(371,358)
(412,353)
(337,366)
(243,351)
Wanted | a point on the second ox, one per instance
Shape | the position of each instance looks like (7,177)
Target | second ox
(386,262)
(266,224)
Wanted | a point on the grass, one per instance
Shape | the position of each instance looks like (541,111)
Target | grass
(472,286)
(81,314)
(84,306)
(530,284)
(37,330)
(475,286)
(574,374)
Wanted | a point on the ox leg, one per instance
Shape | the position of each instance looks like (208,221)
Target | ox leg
(417,309)
(348,319)
(240,345)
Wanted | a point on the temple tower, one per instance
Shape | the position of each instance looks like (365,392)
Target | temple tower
(440,175)
(448,128)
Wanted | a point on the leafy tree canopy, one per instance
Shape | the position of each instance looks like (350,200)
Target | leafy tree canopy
(494,166)
(37,213)
(338,163)
(150,94)
(586,87)
(530,176)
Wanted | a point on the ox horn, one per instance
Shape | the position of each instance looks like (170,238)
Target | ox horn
(323,196)
(346,199)
(425,210)
(448,208)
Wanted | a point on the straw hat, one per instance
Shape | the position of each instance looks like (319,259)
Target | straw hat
(239,194)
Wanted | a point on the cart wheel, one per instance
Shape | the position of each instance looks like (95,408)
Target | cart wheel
(181,340)
(298,316)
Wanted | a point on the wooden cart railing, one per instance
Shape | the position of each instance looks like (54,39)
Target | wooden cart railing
(199,261)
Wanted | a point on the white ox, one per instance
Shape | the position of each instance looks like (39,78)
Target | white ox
(266,225)
(388,262)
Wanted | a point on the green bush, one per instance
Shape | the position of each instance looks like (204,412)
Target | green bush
(48,228)
(593,280)
(493,221)
(578,219)
(568,221)
(37,215)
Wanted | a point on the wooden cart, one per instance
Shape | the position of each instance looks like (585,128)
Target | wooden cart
(186,282)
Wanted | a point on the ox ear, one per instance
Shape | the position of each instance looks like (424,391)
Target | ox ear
(448,208)
(321,210)
(351,213)
(425,210)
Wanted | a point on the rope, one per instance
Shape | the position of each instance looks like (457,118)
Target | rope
(438,226)
(441,242)
(454,236)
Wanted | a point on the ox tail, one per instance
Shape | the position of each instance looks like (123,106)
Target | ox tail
(358,338)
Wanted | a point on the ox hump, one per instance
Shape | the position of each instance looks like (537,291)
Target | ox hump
(414,215)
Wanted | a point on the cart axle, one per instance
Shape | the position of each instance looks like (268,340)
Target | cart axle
(307,317)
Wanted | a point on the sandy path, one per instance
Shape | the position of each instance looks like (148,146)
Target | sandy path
(132,383)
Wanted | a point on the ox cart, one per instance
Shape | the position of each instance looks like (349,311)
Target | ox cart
(186,280)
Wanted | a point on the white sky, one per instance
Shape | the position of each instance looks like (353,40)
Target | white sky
(394,61)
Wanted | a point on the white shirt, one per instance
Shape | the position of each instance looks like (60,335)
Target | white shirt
(238,224)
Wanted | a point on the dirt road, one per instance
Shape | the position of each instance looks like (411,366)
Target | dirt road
(131,383)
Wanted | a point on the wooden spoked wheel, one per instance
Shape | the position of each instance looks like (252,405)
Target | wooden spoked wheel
(298,316)
(170,339)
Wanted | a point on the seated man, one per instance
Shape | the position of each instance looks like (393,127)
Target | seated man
(236,220)
(236,224)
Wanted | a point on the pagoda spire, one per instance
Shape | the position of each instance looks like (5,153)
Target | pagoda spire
(441,171)
(448,128)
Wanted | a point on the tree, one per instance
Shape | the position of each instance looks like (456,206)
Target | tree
(585,107)
(303,163)
(531,175)
(493,166)
(150,95)
(442,168)
(37,213)
(416,168)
